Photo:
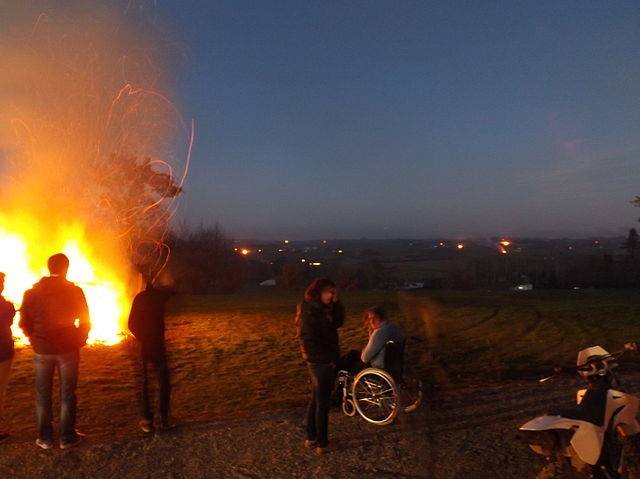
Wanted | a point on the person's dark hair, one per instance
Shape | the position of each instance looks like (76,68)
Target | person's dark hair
(313,291)
(378,311)
(58,264)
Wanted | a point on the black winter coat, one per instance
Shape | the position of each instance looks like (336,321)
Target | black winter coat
(49,313)
(146,322)
(7,312)
(318,331)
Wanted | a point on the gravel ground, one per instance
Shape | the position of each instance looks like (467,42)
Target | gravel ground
(461,432)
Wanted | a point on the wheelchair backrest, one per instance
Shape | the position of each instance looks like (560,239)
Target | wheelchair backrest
(394,359)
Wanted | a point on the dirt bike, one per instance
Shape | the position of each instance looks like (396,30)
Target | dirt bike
(599,437)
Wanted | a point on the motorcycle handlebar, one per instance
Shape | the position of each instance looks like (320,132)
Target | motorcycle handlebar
(557,371)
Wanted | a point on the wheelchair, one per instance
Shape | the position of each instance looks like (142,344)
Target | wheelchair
(379,395)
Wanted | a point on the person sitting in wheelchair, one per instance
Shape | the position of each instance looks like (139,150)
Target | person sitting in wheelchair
(381,331)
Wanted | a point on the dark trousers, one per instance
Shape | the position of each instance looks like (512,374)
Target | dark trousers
(351,362)
(322,381)
(157,363)
(67,365)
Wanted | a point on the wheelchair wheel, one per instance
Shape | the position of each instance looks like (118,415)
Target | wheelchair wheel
(410,394)
(375,396)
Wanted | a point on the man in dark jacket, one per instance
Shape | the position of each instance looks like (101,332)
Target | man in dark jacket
(7,312)
(146,323)
(55,317)
(319,317)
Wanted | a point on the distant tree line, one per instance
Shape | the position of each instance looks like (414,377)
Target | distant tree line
(203,261)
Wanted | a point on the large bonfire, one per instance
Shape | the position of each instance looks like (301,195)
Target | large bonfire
(92,155)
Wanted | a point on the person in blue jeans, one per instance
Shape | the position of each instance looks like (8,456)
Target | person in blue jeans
(55,317)
(318,319)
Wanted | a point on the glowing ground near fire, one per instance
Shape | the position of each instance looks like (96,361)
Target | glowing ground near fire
(24,253)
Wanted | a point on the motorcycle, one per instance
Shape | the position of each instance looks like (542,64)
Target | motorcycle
(596,439)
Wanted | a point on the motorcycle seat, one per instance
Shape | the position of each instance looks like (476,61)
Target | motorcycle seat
(591,409)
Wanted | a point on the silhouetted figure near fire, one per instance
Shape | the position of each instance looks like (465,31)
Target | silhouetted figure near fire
(318,319)
(7,312)
(146,322)
(55,317)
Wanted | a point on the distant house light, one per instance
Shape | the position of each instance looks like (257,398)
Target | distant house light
(316,263)
(303,260)
(280,250)
(505,242)
(245,251)
(286,241)
(340,251)
(460,246)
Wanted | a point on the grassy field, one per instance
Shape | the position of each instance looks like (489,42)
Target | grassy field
(502,335)
(237,355)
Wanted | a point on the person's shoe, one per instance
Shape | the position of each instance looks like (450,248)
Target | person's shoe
(44,444)
(309,443)
(166,426)
(74,443)
(146,426)
(320,450)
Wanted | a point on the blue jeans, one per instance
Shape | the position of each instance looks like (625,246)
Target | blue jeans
(67,365)
(323,378)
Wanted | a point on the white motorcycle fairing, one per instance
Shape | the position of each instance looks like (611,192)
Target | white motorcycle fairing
(588,438)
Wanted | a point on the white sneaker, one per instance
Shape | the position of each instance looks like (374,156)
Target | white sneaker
(44,444)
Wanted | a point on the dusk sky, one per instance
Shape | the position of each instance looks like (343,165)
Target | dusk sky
(387,119)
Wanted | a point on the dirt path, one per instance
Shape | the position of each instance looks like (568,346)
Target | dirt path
(463,432)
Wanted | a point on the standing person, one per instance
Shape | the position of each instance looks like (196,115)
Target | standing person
(319,317)
(7,312)
(146,322)
(55,317)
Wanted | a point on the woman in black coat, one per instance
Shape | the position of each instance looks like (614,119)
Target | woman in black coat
(319,317)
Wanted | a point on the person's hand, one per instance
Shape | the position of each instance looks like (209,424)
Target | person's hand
(633,346)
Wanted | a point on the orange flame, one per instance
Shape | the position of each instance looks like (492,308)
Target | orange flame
(23,260)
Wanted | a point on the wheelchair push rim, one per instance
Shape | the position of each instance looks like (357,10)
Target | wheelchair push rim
(375,396)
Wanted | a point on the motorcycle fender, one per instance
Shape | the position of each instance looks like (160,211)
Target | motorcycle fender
(586,441)
(625,421)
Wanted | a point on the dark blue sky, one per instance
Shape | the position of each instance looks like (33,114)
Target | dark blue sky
(411,119)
